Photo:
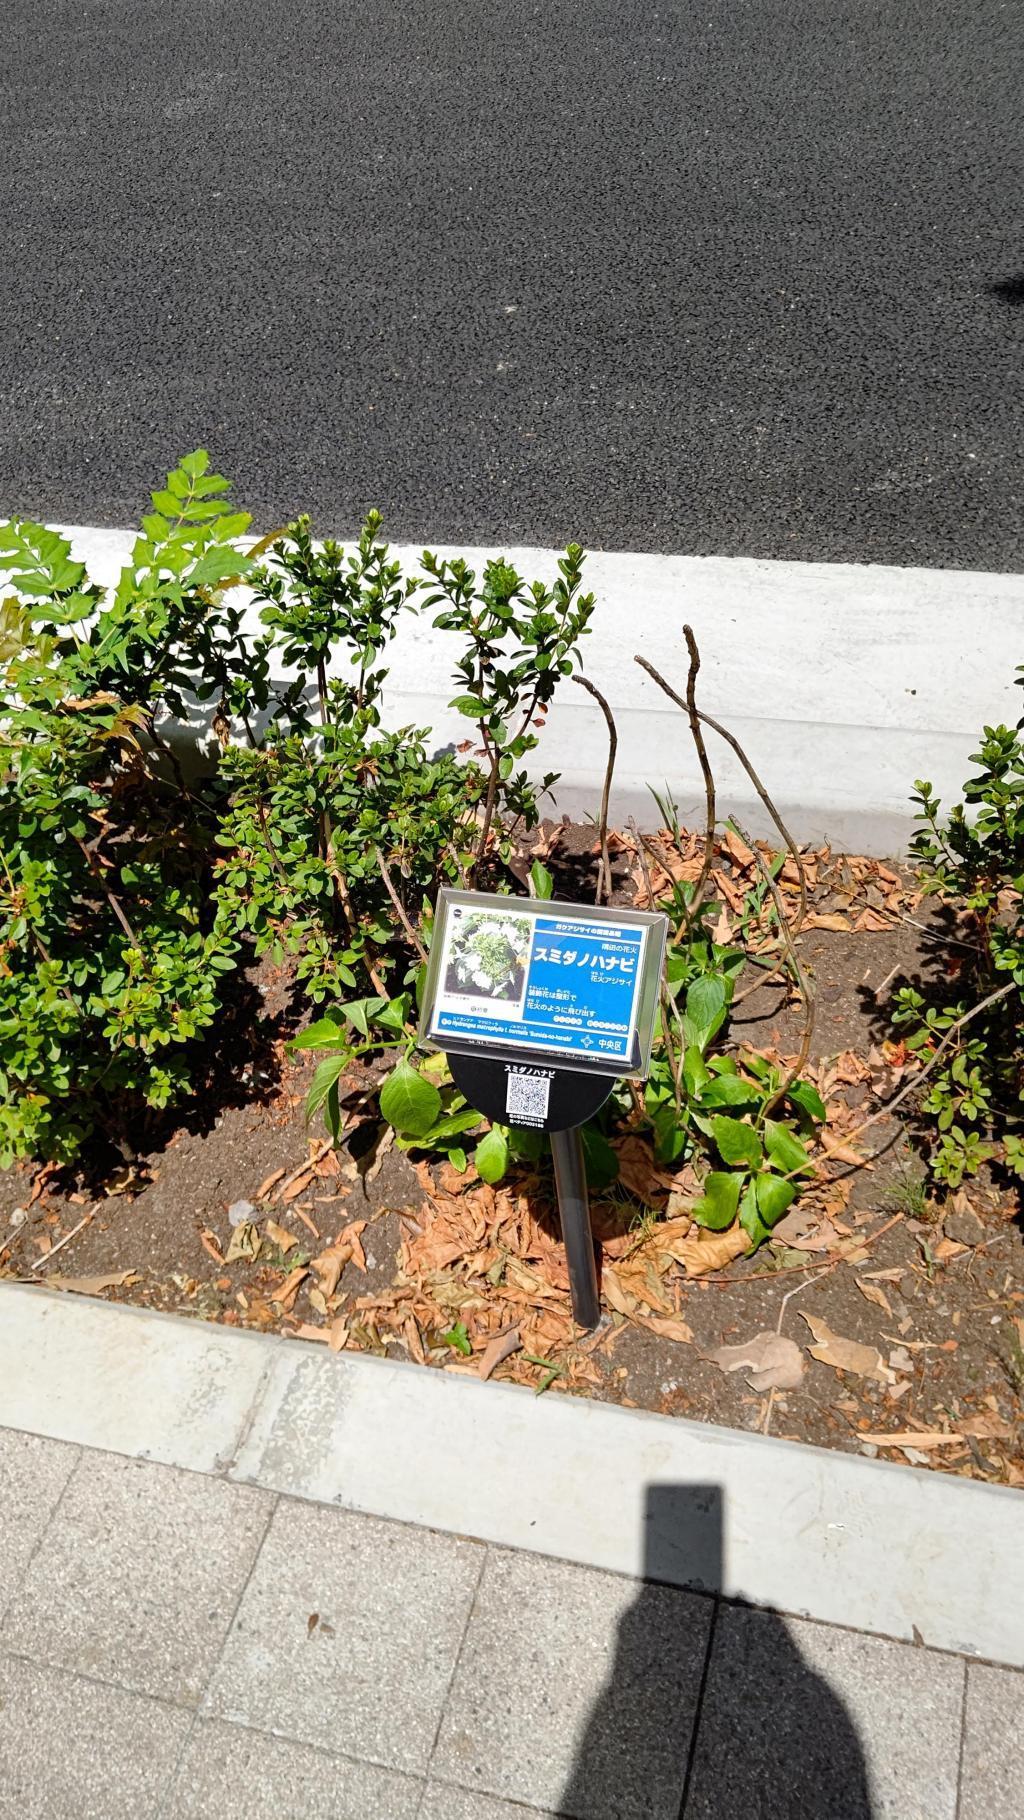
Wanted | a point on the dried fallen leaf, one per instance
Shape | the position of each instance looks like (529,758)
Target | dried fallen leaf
(501,1347)
(280,1236)
(268,1182)
(771,1362)
(668,1327)
(638,1172)
(840,924)
(305,1330)
(245,1242)
(738,848)
(346,1249)
(846,1355)
(712,1250)
(337,1335)
(803,1230)
(910,1437)
(615,1295)
(297,1186)
(844,1153)
(946,1250)
(284,1295)
(874,1294)
(987,1427)
(92,1285)
(208,1241)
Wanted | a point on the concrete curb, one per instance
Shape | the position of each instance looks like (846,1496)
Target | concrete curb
(844,683)
(872,1546)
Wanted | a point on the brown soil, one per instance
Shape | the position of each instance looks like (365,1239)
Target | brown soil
(953,1336)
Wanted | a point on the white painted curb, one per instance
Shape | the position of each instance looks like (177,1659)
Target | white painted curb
(843,683)
(817,1534)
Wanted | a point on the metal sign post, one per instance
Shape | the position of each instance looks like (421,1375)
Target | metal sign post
(541,1008)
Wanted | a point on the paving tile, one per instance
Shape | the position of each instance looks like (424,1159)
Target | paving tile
(74,1750)
(370,1677)
(575,1691)
(442,1802)
(33,1473)
(991,1778)
(243,1775)
(138,1575)
(801,1721)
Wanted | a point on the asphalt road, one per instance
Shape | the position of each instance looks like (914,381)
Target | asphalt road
(735,276)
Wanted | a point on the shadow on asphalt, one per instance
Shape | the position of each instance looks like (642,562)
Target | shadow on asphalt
(1008,290)
(772,1741)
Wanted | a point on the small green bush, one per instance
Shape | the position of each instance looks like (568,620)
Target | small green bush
(974,862)
(110,958)
(130,893)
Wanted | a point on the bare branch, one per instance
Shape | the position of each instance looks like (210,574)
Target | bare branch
(605,872)
(689,707)
(801,978)
(731,740)
(457,863)
(399,906)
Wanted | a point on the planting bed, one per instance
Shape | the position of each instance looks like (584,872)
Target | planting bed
(918,1308)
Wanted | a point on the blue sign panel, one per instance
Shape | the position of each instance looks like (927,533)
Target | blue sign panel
(514,978)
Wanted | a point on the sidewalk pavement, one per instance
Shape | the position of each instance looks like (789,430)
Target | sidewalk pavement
(173,1645)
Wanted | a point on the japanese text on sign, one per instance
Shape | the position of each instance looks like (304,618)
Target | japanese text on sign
(520,978)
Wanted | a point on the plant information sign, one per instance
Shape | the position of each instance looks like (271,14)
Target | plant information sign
(575,984)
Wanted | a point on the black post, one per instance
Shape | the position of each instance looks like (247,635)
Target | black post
(574,1211)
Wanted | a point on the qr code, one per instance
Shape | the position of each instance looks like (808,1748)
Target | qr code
(526,1100)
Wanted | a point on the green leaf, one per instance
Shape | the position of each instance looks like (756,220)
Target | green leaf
(750,1218)
(601,1162)
(541,881)
(394,1014)
(785,1148)
(458,1339)
(737,1142)
(730,1090)
(773,1197)
(458,1159)
(324,1034)
(717,1206)
(808,1099)
(706,1002)
(491,1155)
(469,704)
(323,1080)
(694,1071)
(408,1102)
(445,1128)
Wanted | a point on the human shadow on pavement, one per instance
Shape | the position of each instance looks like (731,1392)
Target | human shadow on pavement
(743,1730)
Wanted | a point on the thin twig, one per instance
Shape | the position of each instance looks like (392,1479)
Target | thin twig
(731,740)
(399,906)
(457,863)
(494,756)
(796,1290)
(913,1084)
(801,979)
(689,707)
(66,1240)
(275,857)
(95,872)
(605,875)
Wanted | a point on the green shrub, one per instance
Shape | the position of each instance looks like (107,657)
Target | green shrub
(974,862)
(110,961)
(130,893)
